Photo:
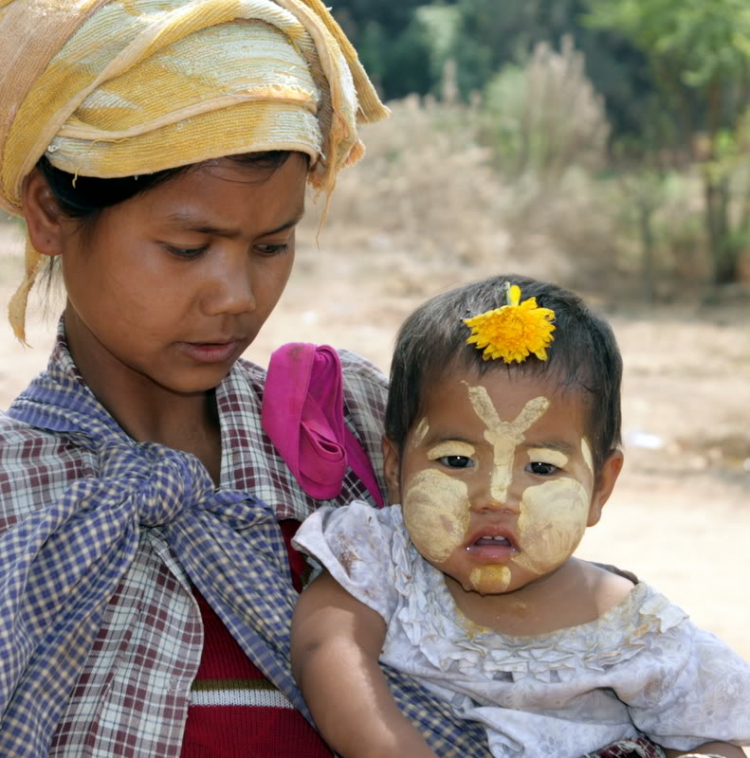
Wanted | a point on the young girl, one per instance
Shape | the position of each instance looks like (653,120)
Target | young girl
(159,151)
(502,446)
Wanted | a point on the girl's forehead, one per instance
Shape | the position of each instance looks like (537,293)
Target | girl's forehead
(222,196)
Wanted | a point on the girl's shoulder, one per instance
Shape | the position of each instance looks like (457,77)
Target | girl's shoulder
(355,367)
(35,468)
(20,442)
(606,587)
(365,549)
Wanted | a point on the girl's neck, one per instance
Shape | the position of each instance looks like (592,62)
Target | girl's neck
(146,411)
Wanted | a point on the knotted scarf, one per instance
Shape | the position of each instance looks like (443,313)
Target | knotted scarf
(112,88)
(62,563)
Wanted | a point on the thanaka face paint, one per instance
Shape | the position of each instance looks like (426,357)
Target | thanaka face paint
(436,513)
(420,433)
(504,436)
(550,524)
(499,424)
(490,580)
(586,454)
(552,515)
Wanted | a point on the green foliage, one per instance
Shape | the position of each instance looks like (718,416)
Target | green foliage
(396,65)
(691,45)
(699,53)
(671,77)
(707,40)
(405,44)
(544,117)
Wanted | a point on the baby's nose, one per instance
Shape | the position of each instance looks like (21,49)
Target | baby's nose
(498,492)
(495,499)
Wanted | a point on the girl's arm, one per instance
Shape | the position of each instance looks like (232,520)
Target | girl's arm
(710,748)
(336,643)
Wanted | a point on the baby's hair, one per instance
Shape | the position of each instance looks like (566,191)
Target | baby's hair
(583,356)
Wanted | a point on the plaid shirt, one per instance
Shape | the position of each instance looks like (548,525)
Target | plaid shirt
(131,675)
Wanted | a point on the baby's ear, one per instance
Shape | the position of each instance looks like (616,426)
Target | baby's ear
(604,485)
(391,458)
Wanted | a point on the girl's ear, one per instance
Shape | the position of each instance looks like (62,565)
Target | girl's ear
(604,485)
(44,220)
(391,470)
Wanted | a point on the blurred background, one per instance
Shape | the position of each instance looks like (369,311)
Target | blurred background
(603,144)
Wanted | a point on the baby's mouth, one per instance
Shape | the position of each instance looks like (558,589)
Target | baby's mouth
(492,547)
(492,541)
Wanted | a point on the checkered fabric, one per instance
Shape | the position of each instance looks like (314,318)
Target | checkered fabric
(99,538)
(639,748)
(100,638)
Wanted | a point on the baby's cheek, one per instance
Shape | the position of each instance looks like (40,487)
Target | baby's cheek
(551,523)
(436,514)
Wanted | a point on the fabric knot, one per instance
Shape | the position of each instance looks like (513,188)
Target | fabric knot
(162,482)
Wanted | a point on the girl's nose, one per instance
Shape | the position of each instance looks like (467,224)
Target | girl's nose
(230,290)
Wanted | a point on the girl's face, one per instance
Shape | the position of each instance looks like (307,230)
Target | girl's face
(171,286)
(496,479)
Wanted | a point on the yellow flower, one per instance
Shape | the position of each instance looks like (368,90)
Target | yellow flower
(513,331)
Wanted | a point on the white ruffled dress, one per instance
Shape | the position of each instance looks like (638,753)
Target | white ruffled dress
(640,669)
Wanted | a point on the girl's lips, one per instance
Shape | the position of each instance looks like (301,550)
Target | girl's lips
(210,352)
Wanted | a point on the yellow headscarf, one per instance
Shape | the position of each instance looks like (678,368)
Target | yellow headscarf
(112,88)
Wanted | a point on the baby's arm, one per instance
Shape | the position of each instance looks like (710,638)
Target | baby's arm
(710,748)
(336,643)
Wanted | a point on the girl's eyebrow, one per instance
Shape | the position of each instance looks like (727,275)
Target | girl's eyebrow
(189,223)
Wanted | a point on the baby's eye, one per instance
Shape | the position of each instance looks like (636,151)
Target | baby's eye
(456,461)
(541,469)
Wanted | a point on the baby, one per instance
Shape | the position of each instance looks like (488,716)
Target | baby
(502,446)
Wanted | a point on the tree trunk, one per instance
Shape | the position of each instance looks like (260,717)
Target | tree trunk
(645,215)
(723,247)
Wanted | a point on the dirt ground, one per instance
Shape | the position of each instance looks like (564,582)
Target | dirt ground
(680,516)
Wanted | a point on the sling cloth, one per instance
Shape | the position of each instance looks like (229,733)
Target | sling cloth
(303,414)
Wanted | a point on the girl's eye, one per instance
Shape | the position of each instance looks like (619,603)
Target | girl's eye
(456,461)
(271,250)
(542,469)
(187,252)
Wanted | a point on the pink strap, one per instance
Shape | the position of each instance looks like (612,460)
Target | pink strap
(303,414)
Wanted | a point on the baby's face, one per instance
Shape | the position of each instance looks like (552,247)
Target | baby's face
(496,479)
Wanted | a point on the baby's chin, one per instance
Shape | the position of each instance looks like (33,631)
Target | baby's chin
(485,580)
